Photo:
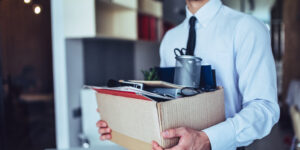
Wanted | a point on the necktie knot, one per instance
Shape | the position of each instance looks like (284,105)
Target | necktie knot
(192,21)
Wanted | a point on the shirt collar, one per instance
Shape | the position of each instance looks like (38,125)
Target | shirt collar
(204,14)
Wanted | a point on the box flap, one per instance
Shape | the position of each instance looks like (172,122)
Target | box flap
(129,142)
(135,118)
(197,112)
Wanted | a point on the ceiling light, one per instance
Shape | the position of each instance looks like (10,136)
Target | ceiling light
(27,1)
(37,9)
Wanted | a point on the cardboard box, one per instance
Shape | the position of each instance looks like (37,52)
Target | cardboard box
(135,122)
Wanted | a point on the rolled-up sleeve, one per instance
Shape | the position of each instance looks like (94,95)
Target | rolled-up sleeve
(256,77)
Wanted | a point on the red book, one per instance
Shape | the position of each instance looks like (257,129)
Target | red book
(143,24)
(152,29)
(140,35)
(122,93)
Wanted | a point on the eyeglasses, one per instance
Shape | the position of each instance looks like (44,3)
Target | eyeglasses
(188,91)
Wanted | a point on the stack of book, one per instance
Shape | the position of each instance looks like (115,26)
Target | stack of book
(149,20)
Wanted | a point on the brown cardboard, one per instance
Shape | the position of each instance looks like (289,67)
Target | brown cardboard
(129,142)
(135,123)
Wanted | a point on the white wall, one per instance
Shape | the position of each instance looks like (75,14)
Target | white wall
(60,75)
(262,8)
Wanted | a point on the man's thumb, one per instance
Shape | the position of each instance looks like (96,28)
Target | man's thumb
(172,133)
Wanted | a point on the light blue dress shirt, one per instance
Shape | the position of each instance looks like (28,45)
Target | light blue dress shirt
(238,46)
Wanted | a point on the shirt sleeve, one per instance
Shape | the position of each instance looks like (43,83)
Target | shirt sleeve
(256,74)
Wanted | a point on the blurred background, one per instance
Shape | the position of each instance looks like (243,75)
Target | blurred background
(49,49)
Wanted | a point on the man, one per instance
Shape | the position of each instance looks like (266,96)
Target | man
(238,47)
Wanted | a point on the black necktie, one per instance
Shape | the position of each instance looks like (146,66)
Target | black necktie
(190,48)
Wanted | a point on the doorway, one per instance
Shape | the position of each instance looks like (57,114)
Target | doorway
(26,71)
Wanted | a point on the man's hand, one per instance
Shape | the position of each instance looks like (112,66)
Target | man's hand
(104,130)
(189,139)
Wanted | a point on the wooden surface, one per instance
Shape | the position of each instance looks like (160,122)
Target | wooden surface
(79,18)
(151,7)
(114,21)
(291,57)
(101,18)
(26,42)
(126,3)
